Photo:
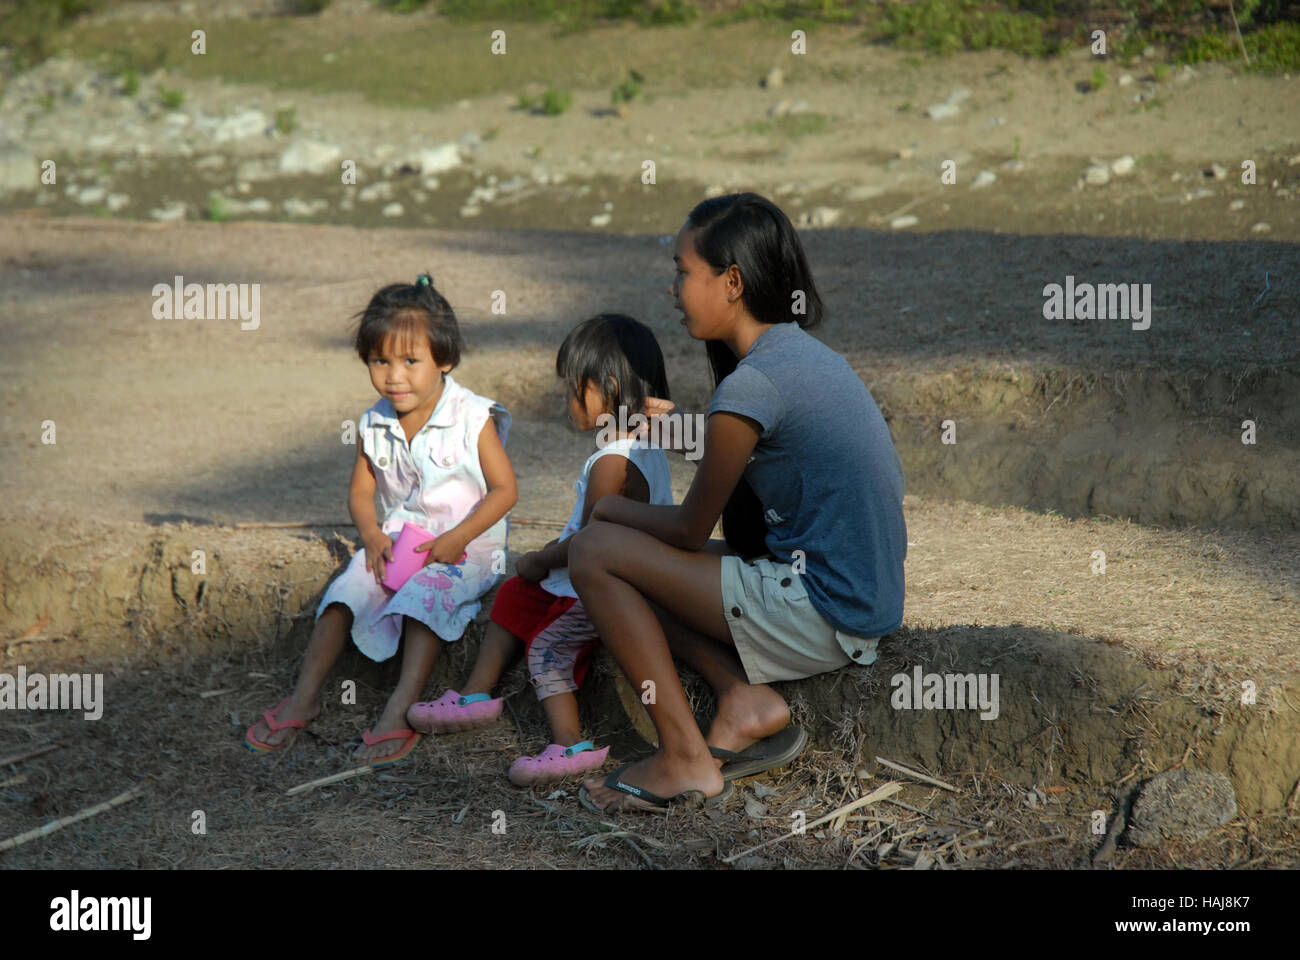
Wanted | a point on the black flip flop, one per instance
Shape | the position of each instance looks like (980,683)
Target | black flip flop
(770,753)
(643,799)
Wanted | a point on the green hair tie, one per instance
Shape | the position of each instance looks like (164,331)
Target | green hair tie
(424,280)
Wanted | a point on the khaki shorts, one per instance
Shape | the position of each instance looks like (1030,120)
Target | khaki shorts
(778,633)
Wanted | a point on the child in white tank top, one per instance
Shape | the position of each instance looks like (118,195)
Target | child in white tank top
(607,363)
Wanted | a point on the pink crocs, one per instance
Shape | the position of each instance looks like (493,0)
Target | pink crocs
(557,762)
(451,713)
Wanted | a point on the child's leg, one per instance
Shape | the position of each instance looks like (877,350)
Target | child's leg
(498,649)
(562,715)
(419,654)
(553,665)
(328,639)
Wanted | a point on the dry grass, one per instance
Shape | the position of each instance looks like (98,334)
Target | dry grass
(1173,595)
(1202,599)
(438,808)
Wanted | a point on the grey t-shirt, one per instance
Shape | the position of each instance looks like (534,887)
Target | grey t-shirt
(827,474)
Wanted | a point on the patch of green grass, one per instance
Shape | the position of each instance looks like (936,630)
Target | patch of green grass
(792,125)
(628,90)
(215,209)
(552,103)
(1131,45)
(130,62)
(555,102)
(1160,70)
(1209,47)
(1273,49)
(29,27)
(171,98)
(580,14)
(46,100)
(1098,78)
(670,13)
(286,120)
(285,53)
(304,8)
(947,26)
(816,12)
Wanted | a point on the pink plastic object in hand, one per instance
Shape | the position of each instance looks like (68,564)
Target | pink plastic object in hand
(407,561)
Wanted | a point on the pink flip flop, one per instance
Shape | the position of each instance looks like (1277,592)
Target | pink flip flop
(257,746)
(451,713)
(557,762)
(410,738)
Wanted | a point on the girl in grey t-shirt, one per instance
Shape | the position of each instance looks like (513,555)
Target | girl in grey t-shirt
(799,465)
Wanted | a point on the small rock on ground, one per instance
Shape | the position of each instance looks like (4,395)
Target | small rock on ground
(1097,175)
(1180,805)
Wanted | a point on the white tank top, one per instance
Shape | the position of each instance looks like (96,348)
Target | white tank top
(653,464)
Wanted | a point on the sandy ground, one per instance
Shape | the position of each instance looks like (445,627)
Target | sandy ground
(197,420)
(163,427)
(931,332)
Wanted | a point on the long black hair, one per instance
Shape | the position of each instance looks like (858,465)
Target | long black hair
(620,356)
(753,233)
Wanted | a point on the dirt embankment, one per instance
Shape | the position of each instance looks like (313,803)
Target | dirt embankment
(1081,710)
(1153,446)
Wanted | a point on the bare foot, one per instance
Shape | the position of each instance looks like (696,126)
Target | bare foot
(393,718)
(659,775)
(293,710)
(746,715)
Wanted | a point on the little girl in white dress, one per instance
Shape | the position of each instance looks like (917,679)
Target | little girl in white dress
(425,453)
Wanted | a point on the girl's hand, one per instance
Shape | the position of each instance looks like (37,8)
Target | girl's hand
(379,553)
(669,439)
(444,549)
(654,407)
(530,568)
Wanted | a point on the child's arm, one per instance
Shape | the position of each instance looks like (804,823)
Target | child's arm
(730,440)
(610,475)
(503,493)
(361,505)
